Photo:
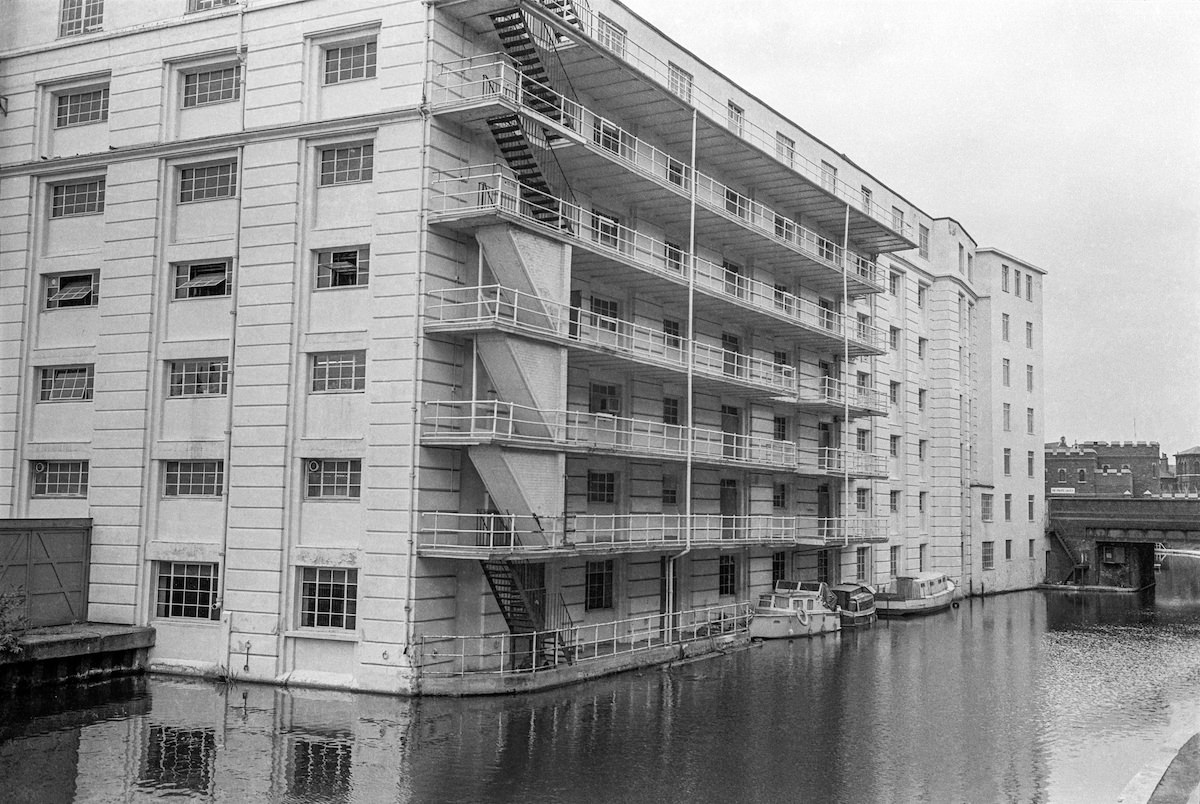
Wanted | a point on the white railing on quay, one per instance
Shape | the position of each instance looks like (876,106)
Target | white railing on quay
(581,643)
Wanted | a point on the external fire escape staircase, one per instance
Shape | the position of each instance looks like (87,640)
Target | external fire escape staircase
(525,612)
(1078,566)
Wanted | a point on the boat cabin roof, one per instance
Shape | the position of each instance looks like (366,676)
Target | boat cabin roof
(852,587)
(923,576)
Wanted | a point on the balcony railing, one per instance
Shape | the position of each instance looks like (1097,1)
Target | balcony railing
(717,109)
(450,533)
(469,82)
(511,654)
(855,462)
(852,530)
(828,391)
(494,420)
(493,305)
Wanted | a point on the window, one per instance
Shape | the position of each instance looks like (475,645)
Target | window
(921,551)
(823,567)
(1028,378)
(1029,420)
(922,346)
(989,558)
(922,446)
(778,567)
(345,164)
(894,446)
(1029,456)
(923,501)
(894,501)
(65,383)
(922,293)
(962,259)
(72,290)
(985,507)
(1007,417)
(605,313)
(199,280)
(610,35)
(601,487)
(727,576)
(1029,287)
(1008,508)
(1004,326)
(186,589)
(1007,461)
(676,174)
(862,440)
(679,81)
(862,563)
(894,338)
(212,85)
(862,500)
(80,17)
(193,478)
(921,394)
(785,148)
(604,398)
(1083,475)
(1029,334)
(780,357)
(77,198)
(1004,278)
(894,284)
(779,496)
(1017,283)
(350,62)
(205,5)
(673,256)
(894,560)
(828,176)
(670,410)
(923,234)
(670,490)
(198,377)
(898,219)
(81,108)
(60,478)
(207,182)
(1030,503)
(1008,549)
(1031,547)
(1062,475)
(343,269)
(606,229)
(894,392)
(598,585)
(1005,371)
(781,428)
(737,118)
(866,199)
(673,333)
(339,372)
(331,478)
(736,203)
(328,598)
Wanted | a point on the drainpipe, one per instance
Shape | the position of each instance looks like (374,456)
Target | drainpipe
(419,295)
(846,381)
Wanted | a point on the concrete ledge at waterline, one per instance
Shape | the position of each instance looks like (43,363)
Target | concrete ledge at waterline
(1121,590)
(81,639)
(1172,776)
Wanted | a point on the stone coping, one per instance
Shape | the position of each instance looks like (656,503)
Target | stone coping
(79,639)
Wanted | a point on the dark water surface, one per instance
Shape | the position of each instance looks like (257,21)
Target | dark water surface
(1026,697)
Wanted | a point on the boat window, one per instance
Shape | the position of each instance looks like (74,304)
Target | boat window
(766,601)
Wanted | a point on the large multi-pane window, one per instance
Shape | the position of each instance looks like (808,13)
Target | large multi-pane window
(894,560)
(350,62)
(727,576)
(737,118)
(193,478)
(1008,508)
(1007,417)
(72,290)
(862,564)
(985,507)
(345,164)
(605,313)
(77,198)
(604,397)
(1029,420)
(1030,502)
(207,182)
(212,85)
(601,487)
(894,501)
(1029,334)
(610,35)
(606,229)
(780,430)
(670,410)
(333,478)
(343,268)
(60,478)
(989,555)
(65,383)
(785,148)
(778,567)
(923,243)
(200,280)
(328,598)
(186,589)
(205,5)
(598,585)
(205,377)
(1029,456)
(862,500)
(1007,461)
(679,81)
(1004,326)
(81,107)
(339,372)
(1005,371)
(823,567)
(779,496)
(80,17)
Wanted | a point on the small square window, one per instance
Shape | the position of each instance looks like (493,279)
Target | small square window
(604,398)
(193,478)
(81,107)
(332,478)
(212,85)
(80,17)
(65,383)
(186,590)
(77,198)
(339,372)
(341,269)
(198,377)
(60,478)
(72,290)
(208,182)
(201,280)
(606,229)
(601,487)
(328,598)
(350,62)
(346,164)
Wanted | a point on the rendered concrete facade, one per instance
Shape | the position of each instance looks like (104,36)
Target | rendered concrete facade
(539,298)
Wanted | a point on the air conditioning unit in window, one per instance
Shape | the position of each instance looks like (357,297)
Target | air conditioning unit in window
(314,466)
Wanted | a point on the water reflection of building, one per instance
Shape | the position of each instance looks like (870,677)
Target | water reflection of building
(422,346)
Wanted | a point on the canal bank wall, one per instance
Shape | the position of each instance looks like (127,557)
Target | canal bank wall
(73,653)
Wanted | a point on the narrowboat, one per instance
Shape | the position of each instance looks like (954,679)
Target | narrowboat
(923,593)
(855,603)
(795,609)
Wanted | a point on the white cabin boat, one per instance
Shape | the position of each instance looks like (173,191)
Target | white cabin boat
(855,603)
(923,593)
(795,609)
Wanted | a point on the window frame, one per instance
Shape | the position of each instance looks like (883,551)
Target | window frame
(191,378)
(51,389)
(63,98)
(195,186)
(173,602)
(334,267)
(333,479)
(599,585)
(326,377)
(601,487)
(341,612)
(368,67)
(192,478)
(988,554)
(64,204)
(680,81)
(90,19)
(215,87)
(54,296)
(727,576)
(76,478)
(191,280)
(345,163)
(986,507)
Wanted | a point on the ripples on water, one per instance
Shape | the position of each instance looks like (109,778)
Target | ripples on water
(1025,697)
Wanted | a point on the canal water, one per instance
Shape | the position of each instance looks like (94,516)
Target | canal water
(1029,697)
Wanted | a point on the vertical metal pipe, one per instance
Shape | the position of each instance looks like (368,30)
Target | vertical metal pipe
(846,380)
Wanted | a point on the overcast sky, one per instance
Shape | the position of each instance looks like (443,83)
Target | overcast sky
(1065,133)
